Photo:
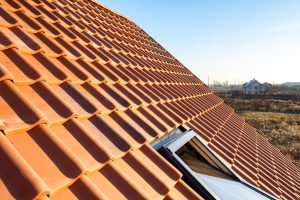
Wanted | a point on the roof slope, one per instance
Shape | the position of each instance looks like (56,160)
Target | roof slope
(83,91)
(251,82)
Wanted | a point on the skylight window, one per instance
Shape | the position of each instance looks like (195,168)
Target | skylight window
(203,170)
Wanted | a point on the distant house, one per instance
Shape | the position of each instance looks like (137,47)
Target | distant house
(253,87)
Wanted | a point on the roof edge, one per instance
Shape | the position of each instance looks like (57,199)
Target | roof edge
(100,4)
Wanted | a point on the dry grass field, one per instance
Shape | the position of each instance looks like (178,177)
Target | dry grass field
(281,129)
(278,121)
(268,105)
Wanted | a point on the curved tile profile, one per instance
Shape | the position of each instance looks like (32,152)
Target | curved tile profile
(84,91)
(85,145)
(48,101)
(18,179)
(182,191)
(17,111)
(51,159)
(5,74)
(20,67)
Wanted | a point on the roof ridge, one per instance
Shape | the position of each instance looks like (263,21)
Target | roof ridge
(100,4)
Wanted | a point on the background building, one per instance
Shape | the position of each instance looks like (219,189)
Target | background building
(253,87)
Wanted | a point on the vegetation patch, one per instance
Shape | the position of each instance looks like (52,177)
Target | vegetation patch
(277,120)
(282,130)
(268,105)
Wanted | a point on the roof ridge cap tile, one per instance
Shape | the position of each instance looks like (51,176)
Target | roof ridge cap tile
(117,13)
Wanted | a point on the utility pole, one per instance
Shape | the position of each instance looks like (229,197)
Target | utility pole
(208,81)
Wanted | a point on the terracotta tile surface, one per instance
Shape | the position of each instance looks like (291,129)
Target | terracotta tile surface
(83,91)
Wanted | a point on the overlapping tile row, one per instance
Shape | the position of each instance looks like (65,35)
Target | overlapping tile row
(80,105)
(248,153)
(83,91)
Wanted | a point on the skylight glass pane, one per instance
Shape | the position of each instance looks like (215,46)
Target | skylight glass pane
(205,171)
(220,184)
(229,189)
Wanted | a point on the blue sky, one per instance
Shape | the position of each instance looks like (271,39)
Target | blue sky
(234,40)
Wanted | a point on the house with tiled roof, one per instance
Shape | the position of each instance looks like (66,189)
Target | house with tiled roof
(91,107)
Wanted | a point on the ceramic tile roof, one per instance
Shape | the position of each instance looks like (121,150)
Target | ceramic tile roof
(83,91)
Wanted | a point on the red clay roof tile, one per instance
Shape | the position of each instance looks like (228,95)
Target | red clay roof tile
(48,157)
(17,112)
(20,67)
(83,143)
(48,101)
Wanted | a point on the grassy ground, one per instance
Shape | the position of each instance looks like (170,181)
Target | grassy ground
(282,130)
(268,105)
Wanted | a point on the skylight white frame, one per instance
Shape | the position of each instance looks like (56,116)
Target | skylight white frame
(179,139)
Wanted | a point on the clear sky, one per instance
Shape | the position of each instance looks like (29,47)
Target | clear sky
(234,40)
